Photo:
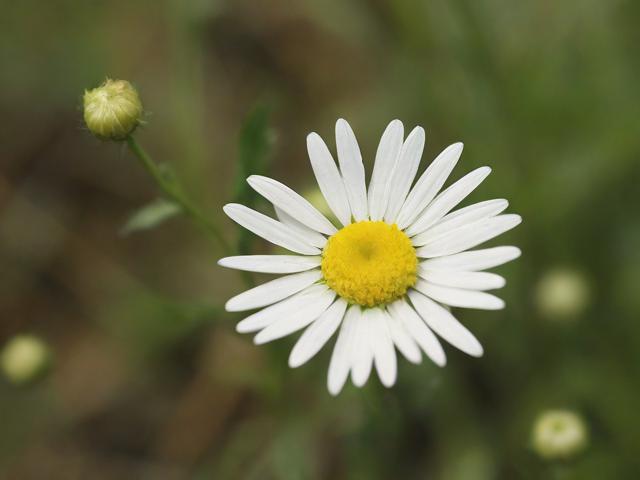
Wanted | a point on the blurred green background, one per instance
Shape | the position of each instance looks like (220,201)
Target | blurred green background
(148,378)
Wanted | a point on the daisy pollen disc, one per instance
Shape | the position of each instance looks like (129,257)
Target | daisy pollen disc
(370,263)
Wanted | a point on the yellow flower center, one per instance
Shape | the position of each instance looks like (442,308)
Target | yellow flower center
(369,263)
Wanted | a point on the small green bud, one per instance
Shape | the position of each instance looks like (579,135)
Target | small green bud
(24,358)
(113,110)
(559,434)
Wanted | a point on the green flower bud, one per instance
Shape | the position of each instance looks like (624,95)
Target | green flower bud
(24,358)
(113,110)
(559,434)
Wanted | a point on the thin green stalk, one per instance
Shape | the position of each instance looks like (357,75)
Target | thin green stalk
(173,191)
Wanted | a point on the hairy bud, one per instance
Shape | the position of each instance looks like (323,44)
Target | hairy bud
(113,110)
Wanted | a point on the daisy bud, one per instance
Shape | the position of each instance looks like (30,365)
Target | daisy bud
(24,358)
(559,434)
(113,110)
(562,293)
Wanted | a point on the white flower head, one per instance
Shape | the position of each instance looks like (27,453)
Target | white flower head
(385,276)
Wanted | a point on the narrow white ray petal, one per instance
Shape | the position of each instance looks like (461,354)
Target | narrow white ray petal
(444,324)
(289,201)
(271,263)
(447,200)
(459,218)
(429,184)
(468,236)
(352,169)
(384,355)
(328,177)
(284,309)
(314,238)
(403,341)
(341,357)
(474,260)
(417,328)
(404,173)
(272,291)
(315,306)
(362,354)
(459,297)
(457,279)
(270,229)
(386,157)
(317,334)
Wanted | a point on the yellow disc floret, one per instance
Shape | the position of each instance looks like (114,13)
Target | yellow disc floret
(369,263)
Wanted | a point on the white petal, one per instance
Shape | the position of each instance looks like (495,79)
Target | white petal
(272,291)
(362,353)
(318,333)
(404,173)
(328,177)
(428,342)
(288,200)
(458,297)
(456,279)
(283,309)
(448,199)
(270,229)
(468,236)
(314,238)
(315,306)
(444,324)
(403,341)
(271,263)
(384,355)
(459,218)
(341,356)
(429,184)
(352,169)
(386,158)
(474,260)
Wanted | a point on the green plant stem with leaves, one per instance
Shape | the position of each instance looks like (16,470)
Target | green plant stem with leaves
(170,187)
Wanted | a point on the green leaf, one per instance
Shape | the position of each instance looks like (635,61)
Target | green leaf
(253,153)
(150,216)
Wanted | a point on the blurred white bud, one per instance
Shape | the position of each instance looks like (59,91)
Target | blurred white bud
(316,198)
(24,358)
(562,293)
(559,434)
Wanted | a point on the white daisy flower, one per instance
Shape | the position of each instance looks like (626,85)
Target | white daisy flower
(387,275)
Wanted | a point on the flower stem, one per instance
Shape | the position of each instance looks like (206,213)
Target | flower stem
(172,190)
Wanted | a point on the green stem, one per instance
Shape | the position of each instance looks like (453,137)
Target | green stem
(172,190)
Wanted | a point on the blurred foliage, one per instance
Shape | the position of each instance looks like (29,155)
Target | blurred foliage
(150,216)
(151,381)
